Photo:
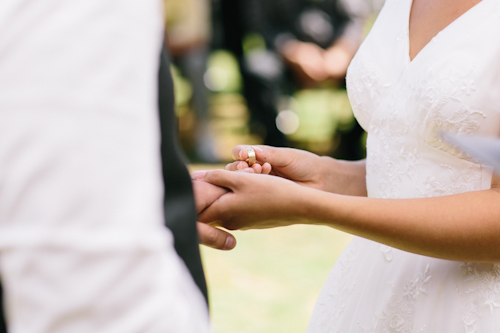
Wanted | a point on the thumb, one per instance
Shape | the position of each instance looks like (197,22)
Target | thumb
(275,156)
(214,237)
(240,152)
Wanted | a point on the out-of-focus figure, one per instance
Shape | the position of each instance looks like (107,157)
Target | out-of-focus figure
(285,45)
(188,34)
(83,202)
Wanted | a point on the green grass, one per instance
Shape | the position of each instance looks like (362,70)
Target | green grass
(270,281)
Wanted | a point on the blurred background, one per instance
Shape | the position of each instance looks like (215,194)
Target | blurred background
(267,72)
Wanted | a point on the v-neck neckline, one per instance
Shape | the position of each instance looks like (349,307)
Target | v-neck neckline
(409,60)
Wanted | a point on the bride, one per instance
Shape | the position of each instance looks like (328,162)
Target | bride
(426,217)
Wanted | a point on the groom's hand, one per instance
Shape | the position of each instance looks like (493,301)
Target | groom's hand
(214,237)
(205,194)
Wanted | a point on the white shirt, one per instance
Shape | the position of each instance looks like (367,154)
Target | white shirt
(82,242)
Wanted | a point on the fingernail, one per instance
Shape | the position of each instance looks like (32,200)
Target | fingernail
(262,153)
(230,243)
(240,155)
(239,166)
(197,175)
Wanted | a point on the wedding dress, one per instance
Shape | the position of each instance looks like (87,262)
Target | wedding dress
(452,85)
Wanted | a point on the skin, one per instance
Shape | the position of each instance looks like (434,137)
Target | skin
(305,168)
(460,227)
(210,235)
(429,17)
(205,195)
(323,191)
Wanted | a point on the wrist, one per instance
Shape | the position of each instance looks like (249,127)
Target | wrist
(344,177)
(328,173)
(316,207)
(305,206)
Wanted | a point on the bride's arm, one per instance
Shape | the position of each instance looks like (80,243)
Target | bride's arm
(345,177)
(463,227)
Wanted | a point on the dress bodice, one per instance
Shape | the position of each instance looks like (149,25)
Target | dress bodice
(450,86)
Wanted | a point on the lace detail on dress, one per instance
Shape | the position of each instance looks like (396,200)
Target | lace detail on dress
(442,105)
(387,252)
(398,317)
(482,288)
(391,160)
(459,180)
(464,121)
(364,91)
(336,300)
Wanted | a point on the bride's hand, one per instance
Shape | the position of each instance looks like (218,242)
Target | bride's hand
(300,166)
(254,201)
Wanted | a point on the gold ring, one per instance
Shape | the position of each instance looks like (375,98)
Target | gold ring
(251,156)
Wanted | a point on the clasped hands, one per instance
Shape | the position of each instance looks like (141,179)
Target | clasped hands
(264,195)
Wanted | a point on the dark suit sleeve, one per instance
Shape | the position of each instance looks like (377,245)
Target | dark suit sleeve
(3,324)
(180,212)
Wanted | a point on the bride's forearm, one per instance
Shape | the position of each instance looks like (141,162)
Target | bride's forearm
(344,177)
(463,227)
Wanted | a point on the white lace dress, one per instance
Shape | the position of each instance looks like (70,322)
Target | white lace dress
(452,85)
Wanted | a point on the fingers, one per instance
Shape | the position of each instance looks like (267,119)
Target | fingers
(205,194)
(240,153)
(243,166)
(198,175)
(214,237)
(220,178)
(275,156)
(266,168)
(235,166)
